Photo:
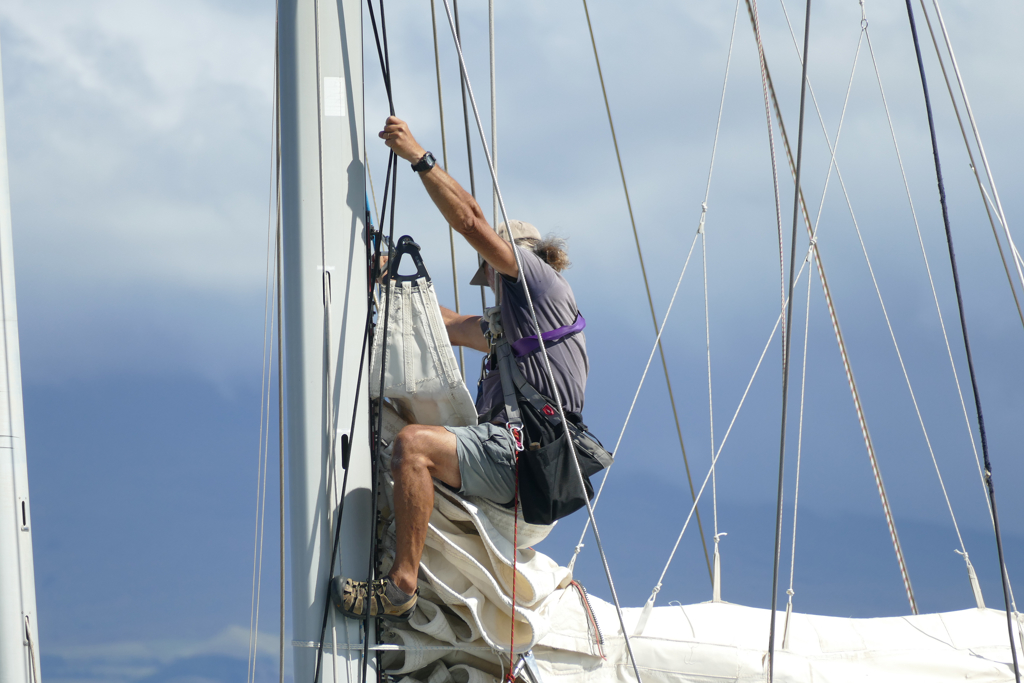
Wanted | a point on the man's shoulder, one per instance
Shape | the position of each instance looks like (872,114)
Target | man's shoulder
(537,271)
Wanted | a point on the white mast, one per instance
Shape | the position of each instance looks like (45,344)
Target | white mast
(323,204)
(19,633)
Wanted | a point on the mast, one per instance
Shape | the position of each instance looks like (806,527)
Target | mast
(325,306)
(19,632)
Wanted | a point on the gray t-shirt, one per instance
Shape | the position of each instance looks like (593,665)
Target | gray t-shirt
(556,307)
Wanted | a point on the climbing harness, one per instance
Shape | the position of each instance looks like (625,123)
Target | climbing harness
(547,487)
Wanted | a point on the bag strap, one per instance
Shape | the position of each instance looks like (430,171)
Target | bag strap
(506,369)
(512,379)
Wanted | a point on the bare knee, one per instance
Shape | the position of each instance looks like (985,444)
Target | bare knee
(409,452)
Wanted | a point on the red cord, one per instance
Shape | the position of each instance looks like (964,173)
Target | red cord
(515,544)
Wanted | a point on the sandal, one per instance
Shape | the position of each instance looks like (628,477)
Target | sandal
(350,598)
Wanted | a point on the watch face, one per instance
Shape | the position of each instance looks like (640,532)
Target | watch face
(425,164)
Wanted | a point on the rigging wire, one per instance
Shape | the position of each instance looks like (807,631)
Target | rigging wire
(711,403)
(892,334)
(643,270)
(444,160)
(494,112)
(770,94)
(636,395)
(832,164)
(786,343)
(988,210)
(266,369)
(543,348)
(280,423)
(799,454)
(967,343)
(837,330)
(977,137)
(326,288)
(714,462)
(276,218)
(387,281)
(752,9)
(346,439)
(463,81)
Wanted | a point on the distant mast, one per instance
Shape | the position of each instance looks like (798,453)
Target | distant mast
(19,632)
(325,272)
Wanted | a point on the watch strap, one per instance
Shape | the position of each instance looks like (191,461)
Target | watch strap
(426,162)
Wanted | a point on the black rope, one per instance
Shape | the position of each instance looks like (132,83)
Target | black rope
(967,342)
(382,53)
(391,182)
(786,339)
(378,432)
(373,237)
(346,450)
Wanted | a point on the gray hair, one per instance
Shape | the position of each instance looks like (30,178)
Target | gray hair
(551,249)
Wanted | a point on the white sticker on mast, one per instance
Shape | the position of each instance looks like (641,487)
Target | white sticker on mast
(334,96)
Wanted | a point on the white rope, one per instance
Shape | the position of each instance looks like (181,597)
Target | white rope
(661,328)
(263,448)
(711,403)
(33,673)
(899,355)
(444,160)
(703,242)
(1013,248)
(331,483)
(858,406)
(543,347)
(716,576)
(977,137)
(799,454)
(494,110)
(803,376)
(988,203)
(725,438)
(636,395)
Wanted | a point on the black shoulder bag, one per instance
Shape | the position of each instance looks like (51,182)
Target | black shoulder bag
(549,487)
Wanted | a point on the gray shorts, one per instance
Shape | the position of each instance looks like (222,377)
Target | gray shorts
(486,461)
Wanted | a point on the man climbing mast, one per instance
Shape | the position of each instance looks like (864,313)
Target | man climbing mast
(478,460)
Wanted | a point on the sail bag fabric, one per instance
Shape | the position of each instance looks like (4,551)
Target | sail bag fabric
(421,376)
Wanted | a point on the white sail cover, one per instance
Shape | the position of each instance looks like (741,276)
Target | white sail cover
(422,378)
(461,631)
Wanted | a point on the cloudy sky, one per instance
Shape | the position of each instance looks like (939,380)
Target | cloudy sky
(139,143)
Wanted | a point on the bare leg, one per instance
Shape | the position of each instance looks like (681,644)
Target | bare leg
(421,454)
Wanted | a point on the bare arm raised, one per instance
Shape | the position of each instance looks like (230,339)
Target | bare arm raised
(457,206)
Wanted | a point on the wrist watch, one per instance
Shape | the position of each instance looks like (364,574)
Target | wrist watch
(426,162)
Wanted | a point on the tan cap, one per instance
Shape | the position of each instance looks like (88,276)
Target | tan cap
(520,230)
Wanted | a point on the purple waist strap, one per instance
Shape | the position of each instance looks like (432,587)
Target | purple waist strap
(527,345)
